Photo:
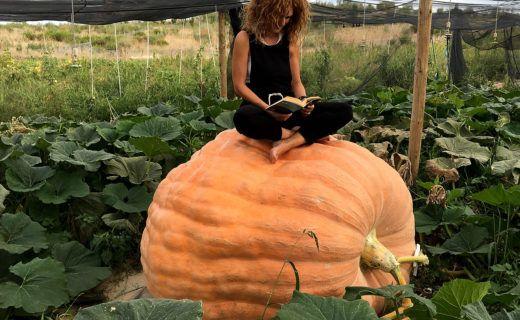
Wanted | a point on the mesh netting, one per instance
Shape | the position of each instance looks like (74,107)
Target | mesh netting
(482,26)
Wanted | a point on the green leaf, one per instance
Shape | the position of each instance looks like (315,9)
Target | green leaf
(495,195)
(90,159)
(471,239)
(124,127)
(507,168)
(194,115)
(137,199)
(137,169)
(162,309)
(512,153)
(62,186)
(225,119)
(5,151)
(449,163)
(505,298)
(152,146)
(455,294)
(3,194)
(21,177)
(453,127)
(43,285)
(504,315)
(109,134)
(306,306)
(461,147)
(127,147)
(159,110)
(475,311)
(61,151)
(85,134)
(198,125)
(18,233)
(117,221)
(165,128)
(82,267)
(511,130)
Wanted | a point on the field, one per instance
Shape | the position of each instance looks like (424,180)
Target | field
(78,168)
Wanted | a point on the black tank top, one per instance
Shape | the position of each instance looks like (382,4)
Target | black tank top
(270,68)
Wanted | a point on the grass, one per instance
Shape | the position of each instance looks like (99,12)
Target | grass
(36,75)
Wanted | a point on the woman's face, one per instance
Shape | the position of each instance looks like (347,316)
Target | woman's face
(285,19)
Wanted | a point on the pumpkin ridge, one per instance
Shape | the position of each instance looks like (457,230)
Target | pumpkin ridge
(306,254)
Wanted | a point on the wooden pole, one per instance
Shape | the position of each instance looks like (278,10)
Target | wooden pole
(419,84)
(222,53)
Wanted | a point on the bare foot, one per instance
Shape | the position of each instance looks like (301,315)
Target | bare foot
(282,146)
(274,153)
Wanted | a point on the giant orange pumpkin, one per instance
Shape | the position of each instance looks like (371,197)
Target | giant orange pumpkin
(221,225)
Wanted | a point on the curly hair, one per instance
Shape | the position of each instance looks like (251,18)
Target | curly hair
(261,17)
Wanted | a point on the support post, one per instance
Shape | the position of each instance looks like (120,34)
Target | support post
(419,84)
(222,60)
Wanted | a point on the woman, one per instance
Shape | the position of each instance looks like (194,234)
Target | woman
(266,60)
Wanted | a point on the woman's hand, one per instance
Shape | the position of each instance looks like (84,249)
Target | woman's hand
(307,110)
(279,116)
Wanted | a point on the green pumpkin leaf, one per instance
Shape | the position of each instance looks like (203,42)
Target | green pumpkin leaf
(306,306)
(43,285)
(124,127)
(143,309)
(225,119)
(471,239)
(198,125)
(511,130)
(61,151)
(90,159)
(5,151)
(165,128)
(109,134)
(85,134)
(129,148)
(3,194)
(135,200)
(454,295)
(152,146)
(194,115)
(450,163)
(505,298)
(461,147)
(159,110)
(475,311)
(511,153)
(18,233)
(82,267)
(495,196)
(22,177)
(62,186)
(504,315)
(137,169)
(117,221)
(507,168)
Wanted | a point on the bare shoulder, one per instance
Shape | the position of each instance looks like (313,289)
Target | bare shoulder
(294,46)
(242,38)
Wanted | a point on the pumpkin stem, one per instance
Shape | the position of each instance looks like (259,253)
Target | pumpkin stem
(376,255)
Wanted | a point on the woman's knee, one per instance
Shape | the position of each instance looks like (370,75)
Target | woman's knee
(244,118)
(338,111)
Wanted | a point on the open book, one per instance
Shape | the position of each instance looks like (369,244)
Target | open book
(290,104)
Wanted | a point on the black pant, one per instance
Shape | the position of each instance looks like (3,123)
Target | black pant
(326,118)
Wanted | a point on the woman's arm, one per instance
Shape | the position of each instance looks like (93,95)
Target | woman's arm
(294,59)
(239,70)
